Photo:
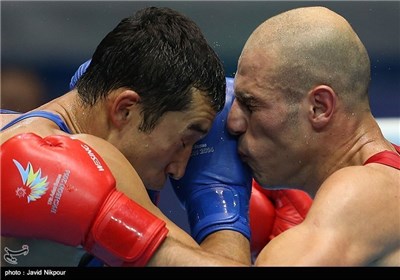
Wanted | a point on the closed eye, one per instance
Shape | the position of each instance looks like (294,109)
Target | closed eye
(247,103)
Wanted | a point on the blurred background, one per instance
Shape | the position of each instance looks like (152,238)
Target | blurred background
(43,43)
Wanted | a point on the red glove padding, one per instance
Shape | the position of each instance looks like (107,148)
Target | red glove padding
(274,211)
(58,188)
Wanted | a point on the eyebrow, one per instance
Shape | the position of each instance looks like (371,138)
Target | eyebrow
(244,97)
(197,127)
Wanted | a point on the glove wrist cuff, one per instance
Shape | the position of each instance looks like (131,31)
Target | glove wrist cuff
(216,208)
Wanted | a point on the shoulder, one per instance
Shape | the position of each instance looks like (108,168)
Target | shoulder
(128,181)
(359,199)
(355,184)
(355,194)
(357,208)
(102,147)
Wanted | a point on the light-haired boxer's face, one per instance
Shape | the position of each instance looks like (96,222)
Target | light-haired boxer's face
(269,129)
(166,149)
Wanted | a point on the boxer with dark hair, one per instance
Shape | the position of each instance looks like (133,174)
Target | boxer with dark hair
(70,167)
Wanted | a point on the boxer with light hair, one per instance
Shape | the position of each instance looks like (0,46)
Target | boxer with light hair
(303,119)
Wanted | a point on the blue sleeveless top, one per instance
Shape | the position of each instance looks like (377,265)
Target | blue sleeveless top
(43,114)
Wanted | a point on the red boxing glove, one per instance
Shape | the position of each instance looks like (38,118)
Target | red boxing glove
(262,218)
(58,188)
(274,211)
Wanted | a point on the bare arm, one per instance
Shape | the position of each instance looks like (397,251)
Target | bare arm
(179,249)
(229,244)
(174,253)
(352,222)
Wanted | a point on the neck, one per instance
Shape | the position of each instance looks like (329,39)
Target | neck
(346,145)
(79,118)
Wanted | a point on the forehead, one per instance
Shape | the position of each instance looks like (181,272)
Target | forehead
(255,77)
(253,67)
(197,118)
(200,114)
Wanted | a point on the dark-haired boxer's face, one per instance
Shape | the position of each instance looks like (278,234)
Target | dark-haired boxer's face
(166,149)
(269,128)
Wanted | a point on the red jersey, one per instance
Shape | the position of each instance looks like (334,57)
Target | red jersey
(387,158)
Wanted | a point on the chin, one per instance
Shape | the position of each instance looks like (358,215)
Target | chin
(157,186)
(259,179)
(264,183)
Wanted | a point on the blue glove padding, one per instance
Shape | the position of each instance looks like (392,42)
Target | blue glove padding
(78,74)
(215,190)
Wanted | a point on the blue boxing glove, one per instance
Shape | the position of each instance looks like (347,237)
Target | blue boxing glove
(216,188)
(79,72)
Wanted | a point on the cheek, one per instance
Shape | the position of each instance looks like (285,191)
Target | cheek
(270,134)
(265,125)
(161,152)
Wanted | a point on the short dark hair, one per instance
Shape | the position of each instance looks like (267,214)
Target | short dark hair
(162,55)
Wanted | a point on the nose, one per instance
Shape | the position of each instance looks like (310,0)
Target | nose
(236,122)
(176,169)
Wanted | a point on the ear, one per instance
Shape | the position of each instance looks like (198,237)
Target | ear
(122,108)
(322,105)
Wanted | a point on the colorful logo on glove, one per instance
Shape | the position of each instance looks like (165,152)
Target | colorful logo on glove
(34,185)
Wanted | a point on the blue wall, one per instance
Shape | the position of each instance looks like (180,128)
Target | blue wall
(53,38)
